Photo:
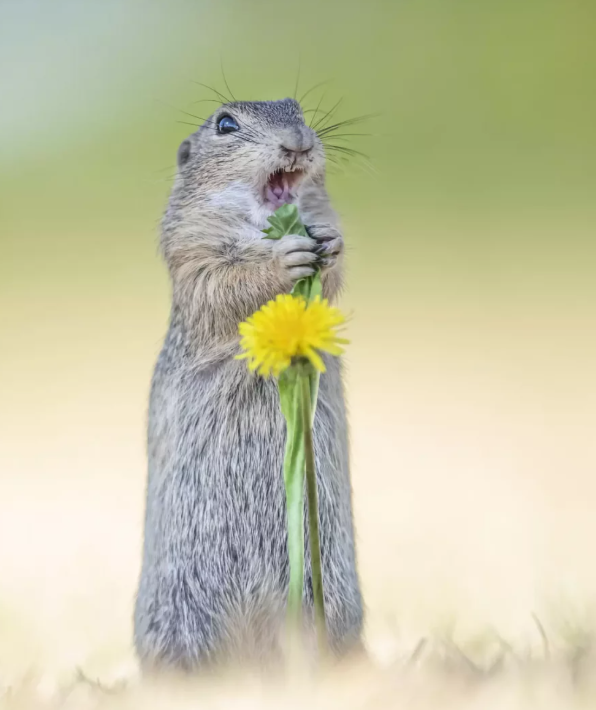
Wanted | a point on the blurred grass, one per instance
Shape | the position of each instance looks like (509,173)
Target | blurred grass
(436,674)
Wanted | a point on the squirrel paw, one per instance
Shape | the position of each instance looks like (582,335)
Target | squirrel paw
(296,256)
(330,244)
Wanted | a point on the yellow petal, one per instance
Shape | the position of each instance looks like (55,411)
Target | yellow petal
(288,327)
(315,359)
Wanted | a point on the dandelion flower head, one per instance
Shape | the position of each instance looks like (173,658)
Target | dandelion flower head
(289,328)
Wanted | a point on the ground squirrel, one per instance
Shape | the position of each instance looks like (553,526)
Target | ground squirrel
(215,569)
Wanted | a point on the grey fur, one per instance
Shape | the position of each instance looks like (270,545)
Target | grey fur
(215,572)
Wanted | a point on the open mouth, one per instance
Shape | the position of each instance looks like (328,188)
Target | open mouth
(281,186)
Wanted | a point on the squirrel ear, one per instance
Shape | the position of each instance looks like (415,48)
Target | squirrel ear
(184,152)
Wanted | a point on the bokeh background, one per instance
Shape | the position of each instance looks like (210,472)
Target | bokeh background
(471,258)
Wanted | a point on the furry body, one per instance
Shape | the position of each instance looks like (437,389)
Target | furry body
(215,566)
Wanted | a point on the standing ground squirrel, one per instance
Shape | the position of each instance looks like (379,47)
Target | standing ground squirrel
(215,570)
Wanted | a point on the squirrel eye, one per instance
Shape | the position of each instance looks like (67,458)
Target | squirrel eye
(227,124)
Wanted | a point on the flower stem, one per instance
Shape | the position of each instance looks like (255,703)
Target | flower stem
(313,519)
(290,393)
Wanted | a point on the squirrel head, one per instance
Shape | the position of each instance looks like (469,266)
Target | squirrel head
(250,157)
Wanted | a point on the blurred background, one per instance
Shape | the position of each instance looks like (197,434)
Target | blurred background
(471,257)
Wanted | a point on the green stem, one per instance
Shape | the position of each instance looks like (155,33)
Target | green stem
(313,519)
(290,395)
(295,507)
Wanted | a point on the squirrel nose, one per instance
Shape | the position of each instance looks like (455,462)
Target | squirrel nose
(297,141)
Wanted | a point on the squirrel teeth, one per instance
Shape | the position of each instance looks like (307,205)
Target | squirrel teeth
(281,186)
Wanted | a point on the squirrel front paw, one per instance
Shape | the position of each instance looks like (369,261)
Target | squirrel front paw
(329,244)
(296,256)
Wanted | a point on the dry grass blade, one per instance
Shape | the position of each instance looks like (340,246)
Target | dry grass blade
(542,632)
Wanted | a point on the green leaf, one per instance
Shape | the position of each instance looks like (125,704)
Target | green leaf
(316,286)
(289,385)
(291,391)
(314,378)
(285,220)
(302,288)
(309,287)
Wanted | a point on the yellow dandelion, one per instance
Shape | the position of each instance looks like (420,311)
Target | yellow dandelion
(289,328)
